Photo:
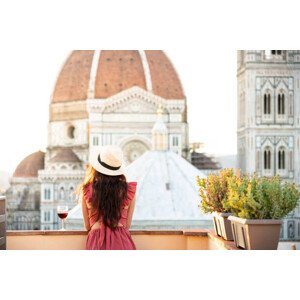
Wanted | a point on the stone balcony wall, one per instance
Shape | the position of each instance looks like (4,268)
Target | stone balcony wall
(2,224)
(144,240)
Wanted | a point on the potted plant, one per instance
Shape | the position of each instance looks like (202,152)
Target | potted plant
(258,205)
(213,193)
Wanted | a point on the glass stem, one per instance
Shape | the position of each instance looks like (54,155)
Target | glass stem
(62,224)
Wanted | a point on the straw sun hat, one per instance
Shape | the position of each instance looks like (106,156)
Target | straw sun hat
(107,160)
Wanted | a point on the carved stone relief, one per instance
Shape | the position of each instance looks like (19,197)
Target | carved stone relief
(134,105)
(133,150)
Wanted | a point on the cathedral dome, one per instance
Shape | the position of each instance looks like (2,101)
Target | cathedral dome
(30,165)
(100,74)
(176,194)
(65,155)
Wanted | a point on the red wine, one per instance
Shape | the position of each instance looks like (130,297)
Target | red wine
(62,215)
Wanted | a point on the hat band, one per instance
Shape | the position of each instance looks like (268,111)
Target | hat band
(103,164)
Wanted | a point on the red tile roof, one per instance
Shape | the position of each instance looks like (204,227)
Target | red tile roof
(117,71)
(65,155)
(73,81)
(165,81)
(30,165)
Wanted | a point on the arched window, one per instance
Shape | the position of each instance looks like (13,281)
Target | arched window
(281,104)
(71,131)
(62,193)
(37,196)
(46,216)
(267,104)
(47,194)
(175,141)
(281,159)
(95,141)
(276,52)
(267,159)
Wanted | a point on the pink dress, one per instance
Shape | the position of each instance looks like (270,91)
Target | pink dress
(106,238)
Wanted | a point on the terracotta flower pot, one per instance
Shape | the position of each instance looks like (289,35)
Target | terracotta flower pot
(222,225)
(255,234)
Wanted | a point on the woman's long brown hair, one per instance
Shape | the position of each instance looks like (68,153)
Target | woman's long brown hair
(108,195)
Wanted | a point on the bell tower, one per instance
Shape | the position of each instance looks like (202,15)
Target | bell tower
(268,123)
(268,112)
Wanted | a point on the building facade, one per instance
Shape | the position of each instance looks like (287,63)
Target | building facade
(105,97)
(268,129)
(58,183)
(23,196)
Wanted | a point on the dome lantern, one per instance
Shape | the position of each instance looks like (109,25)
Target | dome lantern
(159,133)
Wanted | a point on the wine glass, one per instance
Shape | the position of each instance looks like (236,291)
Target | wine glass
(62,212)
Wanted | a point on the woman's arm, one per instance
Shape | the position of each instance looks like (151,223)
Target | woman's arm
(130,213)
(85,215)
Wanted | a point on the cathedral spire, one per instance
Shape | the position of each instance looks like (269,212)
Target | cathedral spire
(159,133)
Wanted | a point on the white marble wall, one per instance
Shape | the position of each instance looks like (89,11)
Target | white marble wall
(258,73)
(128,118)
(58,133)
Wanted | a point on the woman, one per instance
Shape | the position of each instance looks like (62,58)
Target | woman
(108,201)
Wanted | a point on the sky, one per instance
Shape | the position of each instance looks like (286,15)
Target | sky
(36,48)
(30,75)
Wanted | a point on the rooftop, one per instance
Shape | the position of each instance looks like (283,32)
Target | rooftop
(100,74)
(65,155)
(174,180)
(30,165)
